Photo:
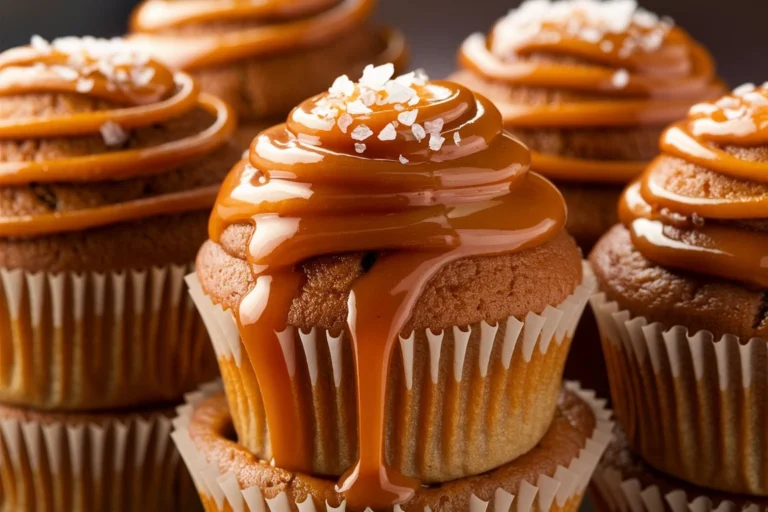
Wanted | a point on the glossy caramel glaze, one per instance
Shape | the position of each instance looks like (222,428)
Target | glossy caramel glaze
(711,226)
(145,93)
(420,173)
(605,64)
(243,29)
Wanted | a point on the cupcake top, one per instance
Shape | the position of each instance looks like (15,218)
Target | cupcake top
(702,205)
(419,172)
(590,64)
(189,34)
(94,134)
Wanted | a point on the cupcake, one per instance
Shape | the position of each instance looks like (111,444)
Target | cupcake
(392,296)
(623,481)
(110,164)
(589,86)
(682,311)
(264,57)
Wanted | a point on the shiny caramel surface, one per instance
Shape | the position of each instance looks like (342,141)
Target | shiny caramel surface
(418,173)
(702,225)
(221,32)
(143,93)
(605,64)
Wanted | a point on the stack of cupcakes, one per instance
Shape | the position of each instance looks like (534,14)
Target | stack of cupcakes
(264,57)
(109,164)
(682,314)
(392,296)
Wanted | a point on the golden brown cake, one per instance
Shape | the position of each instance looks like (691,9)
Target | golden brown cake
(682,311)
(264,57)
(109,164)
(588,86)
(390,292)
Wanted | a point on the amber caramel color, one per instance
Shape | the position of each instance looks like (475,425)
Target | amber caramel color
(589,87)
(416,200)
(247,53)
(211,425)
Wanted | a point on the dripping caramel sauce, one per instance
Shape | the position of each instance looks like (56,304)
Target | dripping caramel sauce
(660,87)
(309,199)
(163,96)
(651,211)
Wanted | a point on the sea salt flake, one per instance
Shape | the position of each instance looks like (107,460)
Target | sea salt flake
(344,122)
(342,86)
(398,93)
(361,132)
(65,72)
(360,147)
(398,107)
(414,101)
(113,134)
(456,138)
(435,126)
(377,77)
(418,132)
(357,107)
(368,97)
(744,89)
(40,44)
(620,79)
(436,142)
(408,117)
(403,160)
(388,133)
(84,85)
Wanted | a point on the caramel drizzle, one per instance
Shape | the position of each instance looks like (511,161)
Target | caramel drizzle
(677,230)
(631,88)
(328,21)
(310,191)
(159,96)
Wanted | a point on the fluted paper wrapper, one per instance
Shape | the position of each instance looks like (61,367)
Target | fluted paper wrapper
(99,464)
(617,494)
(561,491)
(692,406)
(99,340)
(460,402)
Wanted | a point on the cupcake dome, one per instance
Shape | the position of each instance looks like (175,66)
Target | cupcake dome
(109,163)
(264,57)
(589,86)
(402,291)
(687,268)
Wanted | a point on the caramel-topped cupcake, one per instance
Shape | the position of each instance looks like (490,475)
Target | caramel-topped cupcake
(109,164)
(589,86)
(685,333)
(264,57)
(392,296)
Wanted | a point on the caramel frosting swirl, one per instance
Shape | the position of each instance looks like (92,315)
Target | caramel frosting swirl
(241,29)
(614,65)
(420,173)
(703,204)
(140,93)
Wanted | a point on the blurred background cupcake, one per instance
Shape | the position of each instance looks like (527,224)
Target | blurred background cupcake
(265,57)
(110,163)
(682,311)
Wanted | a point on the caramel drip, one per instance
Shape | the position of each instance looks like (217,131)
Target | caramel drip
(147,93)
(645,74)
(310,189)
(279,26)
(697,231)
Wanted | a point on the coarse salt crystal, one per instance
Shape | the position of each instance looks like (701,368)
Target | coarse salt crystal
(40,44)
(344,122)
(744,89)
(84,85)
(65,72)
(368,97)
(403,160)
(436,141)
(418,132)
(456,138)
(361,132)
(357,107)
(408,117)
(342,86)
(388,133)
(113,134)
(435,126)
(360,147)
(377,77)
(620,79)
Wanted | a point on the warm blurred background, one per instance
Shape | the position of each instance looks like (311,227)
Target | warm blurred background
(733,29)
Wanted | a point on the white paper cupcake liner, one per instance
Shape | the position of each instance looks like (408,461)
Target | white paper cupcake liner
(504,366)
(73,341)
(629,495)
(561,491)
(692,406)
(96,463)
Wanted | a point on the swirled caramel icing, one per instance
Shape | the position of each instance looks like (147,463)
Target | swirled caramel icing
(124,93)
(702,205)
(190,34)
(588,64)
(420,172)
